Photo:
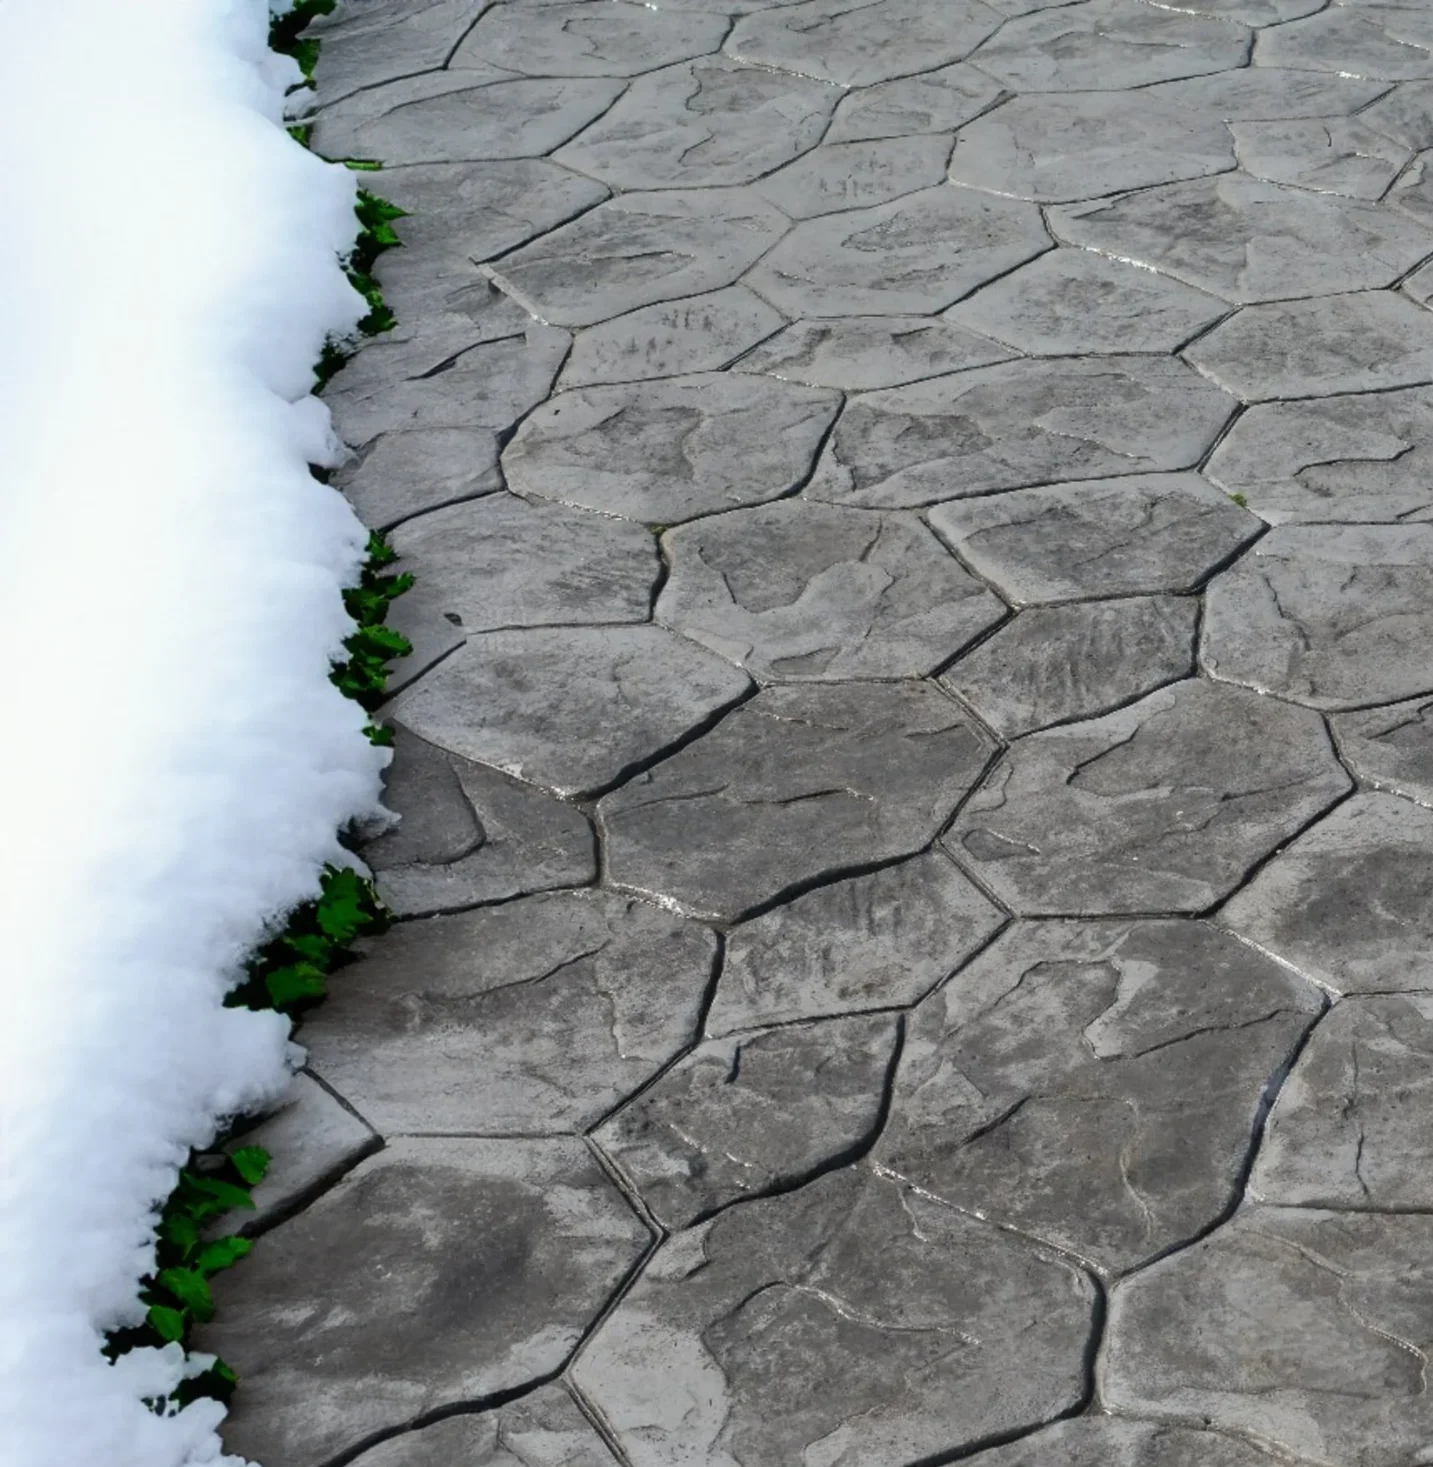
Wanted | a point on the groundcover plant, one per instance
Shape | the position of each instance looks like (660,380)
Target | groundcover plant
(196,646)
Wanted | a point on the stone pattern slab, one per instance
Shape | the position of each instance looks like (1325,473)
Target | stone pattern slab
(919,707)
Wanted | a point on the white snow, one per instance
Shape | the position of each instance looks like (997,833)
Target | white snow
(176,762)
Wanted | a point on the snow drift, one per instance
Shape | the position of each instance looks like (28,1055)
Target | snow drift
(176,761)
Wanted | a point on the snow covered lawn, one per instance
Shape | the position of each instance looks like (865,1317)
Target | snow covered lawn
(176,760)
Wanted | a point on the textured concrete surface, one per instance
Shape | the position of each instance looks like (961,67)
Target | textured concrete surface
(915,880)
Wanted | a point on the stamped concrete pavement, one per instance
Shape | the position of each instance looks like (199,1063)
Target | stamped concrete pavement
(916,870)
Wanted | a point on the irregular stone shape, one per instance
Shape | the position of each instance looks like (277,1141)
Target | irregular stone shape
(1329,615)
(368,42)
(798,784)
(1053,664)
(1107,1441)
(491,387)
(637,250)
(1390,747)
(1052,148)
(544,1429)
(527,1018)
(458,117)
(857,175)
(1161,807)
(1097,1085)
(1267,94)
(1335,155)
(805,591)
(502,562)
(1349,902)
(873,942)
(438,1272)
(742,1117)
(852,1322)
(588,38)
(660,452)
(430,635)
(447,308)
(312,1140)
(917,255)
(1020,423)
(1357,459)
(408,473)
(1332,344)
(866,352)
(1248,240)
(470,835)
(856,43)
(935,101)
(1109,44)
(1311,1333)
(1070,302)
(671,339)
(1353,42)
(1104,537)
(528,702)
(1348,1129)
(704,124)
(1404,114)
(473,211)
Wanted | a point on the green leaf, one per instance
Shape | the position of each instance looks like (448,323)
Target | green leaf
(252,1163)
(167,1323)
(221,1254)
(226,1194)
(180,1231)
(300,983)
(313,947)
(379,734)
(362,165)
(191,1289)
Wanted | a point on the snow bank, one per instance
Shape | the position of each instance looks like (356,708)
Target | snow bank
(176,762)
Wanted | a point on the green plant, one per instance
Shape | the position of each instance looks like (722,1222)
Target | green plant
(1241,500)
(364,675)
(376,234)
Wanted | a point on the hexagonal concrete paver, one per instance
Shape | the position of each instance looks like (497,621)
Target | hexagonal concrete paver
(854,1319)
(1334,616)
(933,101)
(662,452)
(1137,535)
(1247,240)
(541,1429)
(1108,1441)
(1390,747)
(1163,806)
(753,1114)
(1111,44)
(588,38)
(1332,344)
(1054,148)
(527,701)
(1097,1085)
(1312,1332)
(706,123)
(1361,458)
(803,591)
(461,117)
(1017,424)
(1349,1128)
(671,339)
(1070,302)
(1357,41)
(878,941)
(800,783)
(501,562)
(919,254)
(528,1018)
(1335,155)
(637,250)
(858,42)
(843,176)
(437,1273)
(863,353)
(1268,94)
(470,835)
(1350,903)
(1053,664)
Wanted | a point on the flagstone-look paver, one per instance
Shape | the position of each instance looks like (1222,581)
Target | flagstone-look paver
(914,891)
